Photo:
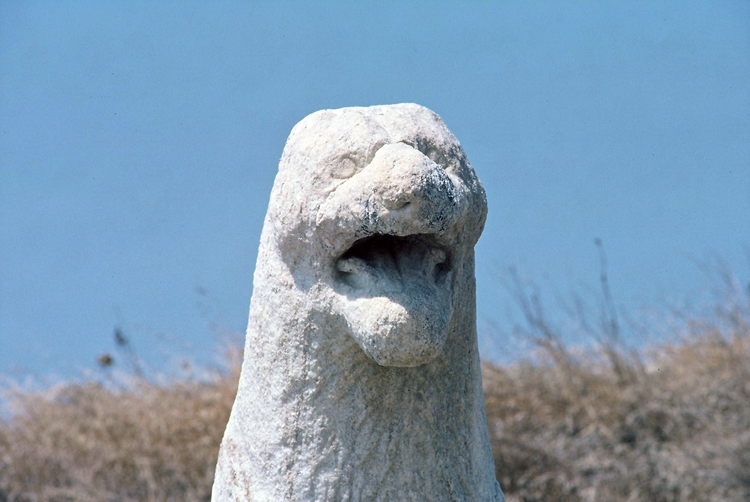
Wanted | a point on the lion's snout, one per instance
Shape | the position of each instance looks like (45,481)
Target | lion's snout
(401,192)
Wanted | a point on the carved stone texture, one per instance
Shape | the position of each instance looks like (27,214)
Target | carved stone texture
(361,377)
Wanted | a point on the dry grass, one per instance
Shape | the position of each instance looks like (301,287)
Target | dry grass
(599,425)
(582,430)
(140,442)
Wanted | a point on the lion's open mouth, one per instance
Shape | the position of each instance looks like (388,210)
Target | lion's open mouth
(393,263)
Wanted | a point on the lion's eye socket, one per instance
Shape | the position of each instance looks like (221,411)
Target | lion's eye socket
(344,168)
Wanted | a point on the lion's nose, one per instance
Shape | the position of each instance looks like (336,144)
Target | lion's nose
(404,174)
(409,190)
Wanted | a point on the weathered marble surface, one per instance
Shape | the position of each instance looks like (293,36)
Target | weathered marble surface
(361,377)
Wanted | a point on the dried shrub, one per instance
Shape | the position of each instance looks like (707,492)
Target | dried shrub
(672,424)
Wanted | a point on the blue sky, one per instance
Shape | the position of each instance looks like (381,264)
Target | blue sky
(139,142)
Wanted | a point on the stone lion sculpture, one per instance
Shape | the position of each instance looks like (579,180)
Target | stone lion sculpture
(361,377)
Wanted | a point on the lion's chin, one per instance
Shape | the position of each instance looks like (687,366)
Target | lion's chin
(394,332)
